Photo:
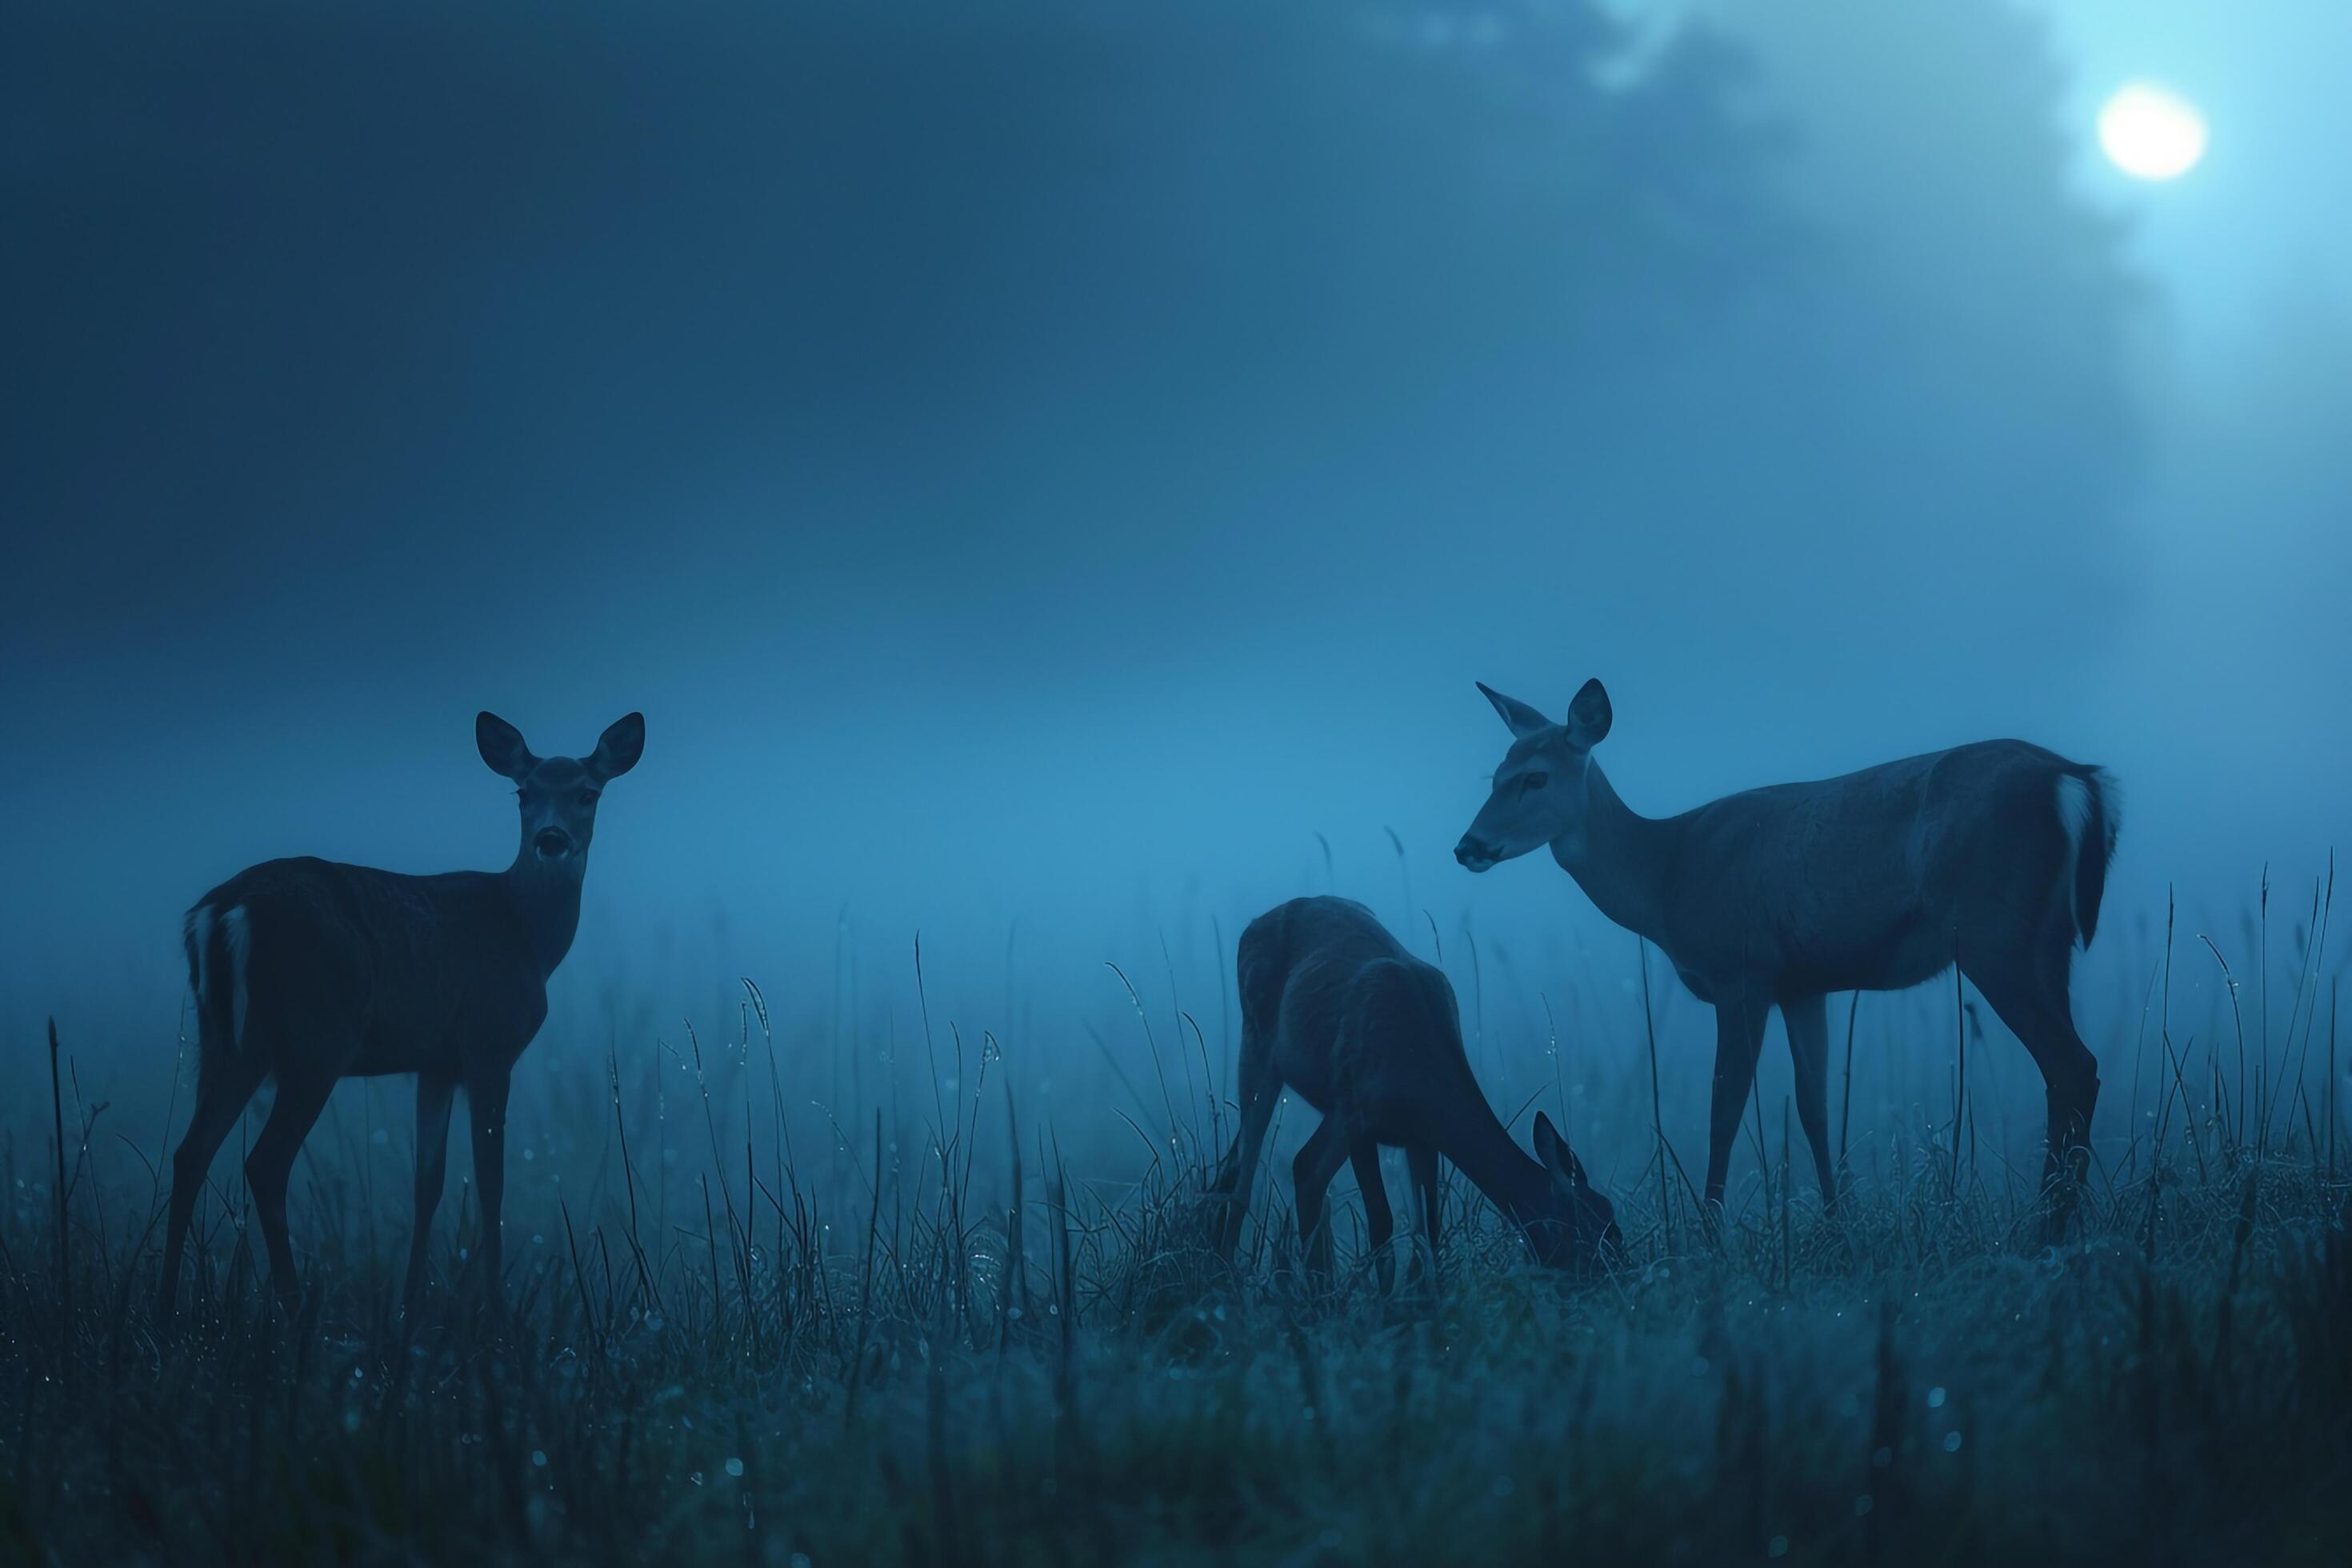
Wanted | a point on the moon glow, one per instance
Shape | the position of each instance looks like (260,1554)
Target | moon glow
(2151,132)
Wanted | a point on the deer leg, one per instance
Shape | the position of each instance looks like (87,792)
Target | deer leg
(2076,1065)
(221,1094)
(1231,1191)
(1380,1220)
(1807,1018)
(2032,999)
(486,1106)
(1421,1161)
(432,1097)
(271,1165)
(1317,1160)
(1738,1038)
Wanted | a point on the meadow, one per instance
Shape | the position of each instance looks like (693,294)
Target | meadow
(853,1283)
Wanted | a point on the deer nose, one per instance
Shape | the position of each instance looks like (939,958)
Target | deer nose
(1470,852)
(552,842)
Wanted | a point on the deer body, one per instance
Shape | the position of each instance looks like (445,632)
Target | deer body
(1334,1008)
(1994,855)
(444,974)
(308,972)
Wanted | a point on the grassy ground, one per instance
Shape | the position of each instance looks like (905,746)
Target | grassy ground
(1917,1382)
(936,1336)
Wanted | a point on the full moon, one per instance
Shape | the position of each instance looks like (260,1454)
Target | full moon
(2151,134)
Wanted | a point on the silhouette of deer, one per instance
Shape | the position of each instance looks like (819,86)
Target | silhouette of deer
(308,972)
(1994,855)
(1333,1007)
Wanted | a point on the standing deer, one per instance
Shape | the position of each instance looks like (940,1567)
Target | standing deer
(308,972)
(1994,855)
(1333,1007)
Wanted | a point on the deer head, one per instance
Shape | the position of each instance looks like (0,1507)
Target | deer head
(1578,1227)
(557,795)
(1540,793)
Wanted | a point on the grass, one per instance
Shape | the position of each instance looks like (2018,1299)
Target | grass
(933,1340)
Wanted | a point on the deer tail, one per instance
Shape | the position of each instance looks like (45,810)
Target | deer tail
(2090,812)
(216,940)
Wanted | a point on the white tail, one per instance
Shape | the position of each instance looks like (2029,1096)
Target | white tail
(1335,1008)
(1994,855)
(309,971)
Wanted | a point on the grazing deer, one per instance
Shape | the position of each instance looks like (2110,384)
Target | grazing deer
(308,972)
(1994,855)
(1333,1007)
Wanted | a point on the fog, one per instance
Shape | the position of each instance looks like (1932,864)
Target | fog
(1051,475)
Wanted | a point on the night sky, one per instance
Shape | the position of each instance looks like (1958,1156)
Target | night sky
(1037,466)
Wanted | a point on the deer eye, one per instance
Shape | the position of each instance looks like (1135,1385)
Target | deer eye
(1530,782)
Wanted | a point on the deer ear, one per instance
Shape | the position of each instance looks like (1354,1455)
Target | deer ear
(1590,715)
(1522,719)
(618,749)
(501,747)
(1558,1157)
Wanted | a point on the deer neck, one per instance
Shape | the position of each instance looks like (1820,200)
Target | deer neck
(547,894)
(1618,857)
(1483,1151)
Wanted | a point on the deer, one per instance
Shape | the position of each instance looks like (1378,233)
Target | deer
(1992,856)
(1333,1007)
(308,972)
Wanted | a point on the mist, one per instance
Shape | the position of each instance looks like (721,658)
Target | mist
(1051,477)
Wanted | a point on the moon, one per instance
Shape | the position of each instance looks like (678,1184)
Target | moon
(2151,132)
